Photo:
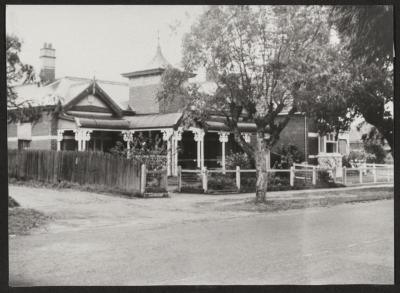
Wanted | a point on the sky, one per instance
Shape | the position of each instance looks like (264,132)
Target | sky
(102,41)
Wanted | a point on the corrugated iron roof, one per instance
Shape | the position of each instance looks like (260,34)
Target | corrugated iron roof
(243,126)
(154,120)
(67,88)
(102,123)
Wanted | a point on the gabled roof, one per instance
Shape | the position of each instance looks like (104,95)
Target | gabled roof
(67,88)
(94,88)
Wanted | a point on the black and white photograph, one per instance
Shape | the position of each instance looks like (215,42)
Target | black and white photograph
(154,145)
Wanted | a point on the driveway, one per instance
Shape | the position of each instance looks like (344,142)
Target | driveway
(96,239)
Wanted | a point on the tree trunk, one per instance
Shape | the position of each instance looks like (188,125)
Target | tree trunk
(261,160)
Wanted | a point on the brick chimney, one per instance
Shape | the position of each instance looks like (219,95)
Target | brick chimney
(48,63)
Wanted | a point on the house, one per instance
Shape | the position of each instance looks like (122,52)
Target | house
(96,113)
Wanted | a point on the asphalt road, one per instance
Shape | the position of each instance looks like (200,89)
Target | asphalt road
(344,244)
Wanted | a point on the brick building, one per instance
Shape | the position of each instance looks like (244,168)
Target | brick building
(97,113)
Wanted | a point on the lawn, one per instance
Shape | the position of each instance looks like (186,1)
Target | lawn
(307,200)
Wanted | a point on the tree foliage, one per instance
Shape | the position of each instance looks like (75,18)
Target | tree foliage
(264,61)
(367,33)
(147,150)
(369,30)
(17,72)
(373,144)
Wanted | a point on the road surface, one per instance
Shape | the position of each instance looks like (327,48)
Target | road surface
(137,243)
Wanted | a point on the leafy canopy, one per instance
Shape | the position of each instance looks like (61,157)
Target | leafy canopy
(264,60)
(367,33)
(16,72)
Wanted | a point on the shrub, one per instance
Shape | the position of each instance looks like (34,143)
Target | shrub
(346,162)
(288,154)
(324,177)
(153,157)
(238,159)
(220,181)
(373,144)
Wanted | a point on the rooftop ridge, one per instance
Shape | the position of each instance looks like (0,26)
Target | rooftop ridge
(98,80)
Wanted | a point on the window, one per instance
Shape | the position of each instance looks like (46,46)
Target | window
(23,144)
(331,143)
(328,144)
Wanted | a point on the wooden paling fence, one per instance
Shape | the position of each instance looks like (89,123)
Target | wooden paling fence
(84,168)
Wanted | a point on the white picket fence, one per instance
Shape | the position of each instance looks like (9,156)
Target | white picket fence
(367,174)
(364,174)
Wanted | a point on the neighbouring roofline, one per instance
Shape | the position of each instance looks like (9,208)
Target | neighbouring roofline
(145,72)
(98,80)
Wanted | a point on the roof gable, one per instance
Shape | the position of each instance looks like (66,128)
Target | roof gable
(102,98)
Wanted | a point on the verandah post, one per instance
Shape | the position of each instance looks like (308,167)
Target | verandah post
(292,176)
(143,179)
(238,177)
(360,173)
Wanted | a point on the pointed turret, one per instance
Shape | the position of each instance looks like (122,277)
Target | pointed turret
(158,60)
(144,84)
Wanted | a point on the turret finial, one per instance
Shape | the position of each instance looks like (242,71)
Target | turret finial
(94,85)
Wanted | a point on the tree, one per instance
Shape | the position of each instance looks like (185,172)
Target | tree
(369,29)
(17,71)
(367,32)
(264,61)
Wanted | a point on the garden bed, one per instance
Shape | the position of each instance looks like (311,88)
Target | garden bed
(70,185)
(21,220)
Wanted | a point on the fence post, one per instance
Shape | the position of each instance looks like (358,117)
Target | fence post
(204,171)
(238,177)
(361,175)
(374,172)
(143,179)
(344,176)
(166,180)
(291,176)
(314,176)
(179,178)
(334,174)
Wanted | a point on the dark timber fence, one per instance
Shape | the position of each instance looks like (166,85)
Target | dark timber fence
(84,168)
